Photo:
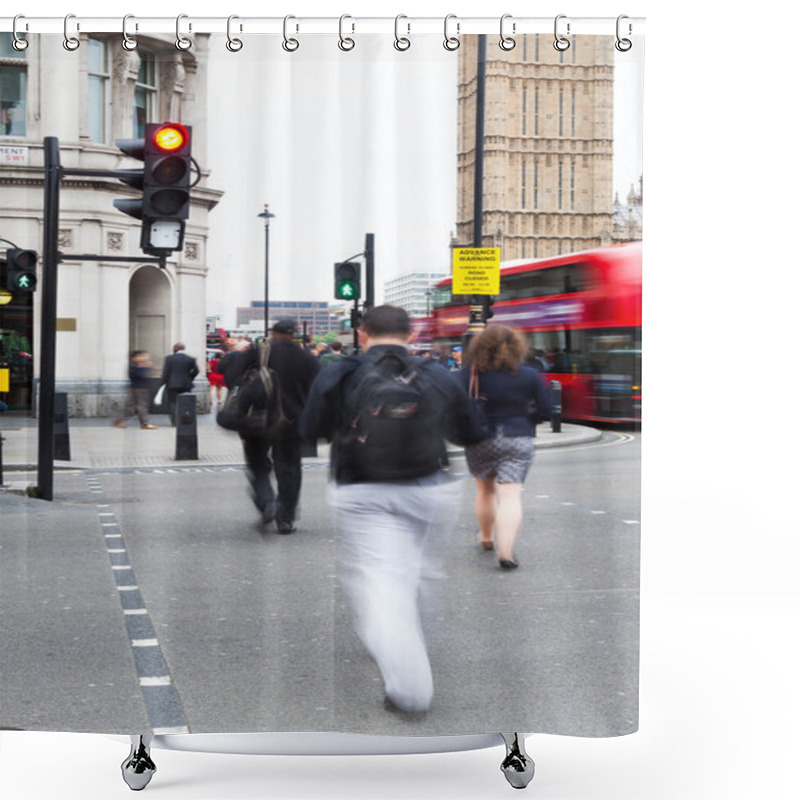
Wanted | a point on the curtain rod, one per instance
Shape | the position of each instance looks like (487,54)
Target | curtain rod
(185,24)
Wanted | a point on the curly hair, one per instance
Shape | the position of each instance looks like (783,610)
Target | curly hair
(497,347)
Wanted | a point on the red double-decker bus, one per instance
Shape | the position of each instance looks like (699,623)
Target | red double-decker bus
(581,315)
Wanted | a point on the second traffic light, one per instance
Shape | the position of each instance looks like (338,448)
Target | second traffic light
(347,280)
(20,270)
(166,151)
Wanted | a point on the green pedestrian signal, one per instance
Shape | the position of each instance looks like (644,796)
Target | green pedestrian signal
(20,270)
(347,280)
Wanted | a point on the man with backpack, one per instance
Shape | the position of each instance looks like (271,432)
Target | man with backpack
(388,416)
(271,442)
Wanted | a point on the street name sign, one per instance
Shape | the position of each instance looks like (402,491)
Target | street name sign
(476,270)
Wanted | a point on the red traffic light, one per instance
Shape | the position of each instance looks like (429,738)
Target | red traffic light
(170,137)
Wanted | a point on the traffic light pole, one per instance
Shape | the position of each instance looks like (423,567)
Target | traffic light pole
(47,344)
(369,269)
(53,173)
(480,305)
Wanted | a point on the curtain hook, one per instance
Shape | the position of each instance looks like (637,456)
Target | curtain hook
(182,42)
(623,45)
(507,42)
(346,42)
(401,42)
(128,43)
(19,43)
(451,42)
(70,42)
(560,43)
(233,44)
(289,45)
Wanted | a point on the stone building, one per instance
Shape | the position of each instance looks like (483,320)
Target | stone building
(628,220)
(88,98)
(548,139)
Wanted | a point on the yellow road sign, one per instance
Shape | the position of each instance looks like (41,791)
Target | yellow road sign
(476,270)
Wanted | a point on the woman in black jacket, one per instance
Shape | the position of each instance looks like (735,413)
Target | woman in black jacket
(500,464)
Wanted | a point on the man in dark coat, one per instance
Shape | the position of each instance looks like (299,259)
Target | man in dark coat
(296,370)
(180,370)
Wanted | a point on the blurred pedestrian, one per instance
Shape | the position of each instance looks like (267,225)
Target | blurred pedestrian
(388,415)
(296,370)
(334,354)
(138,373)
(216,381)
(500,464)
(180,370)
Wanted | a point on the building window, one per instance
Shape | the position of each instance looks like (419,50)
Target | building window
(13,88)
(99,77)
(561,111)
(536,111)
(573,111)
(524,111)
(523,184)
(144,94)
(572,185)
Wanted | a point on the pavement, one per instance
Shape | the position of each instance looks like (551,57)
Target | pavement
(95,444)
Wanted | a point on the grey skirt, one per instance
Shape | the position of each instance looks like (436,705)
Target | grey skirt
(506,458)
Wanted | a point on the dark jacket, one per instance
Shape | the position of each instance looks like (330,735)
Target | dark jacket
(180,370)
(512,402)
(296,370)
(325,414)
(233,365)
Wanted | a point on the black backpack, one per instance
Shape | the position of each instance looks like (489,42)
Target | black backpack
(253,406)
(393,416)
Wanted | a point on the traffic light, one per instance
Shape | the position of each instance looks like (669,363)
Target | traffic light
(347,280)
(166,151)
(20,270)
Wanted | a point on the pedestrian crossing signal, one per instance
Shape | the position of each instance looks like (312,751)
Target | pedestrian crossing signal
(20,270)
(347,280)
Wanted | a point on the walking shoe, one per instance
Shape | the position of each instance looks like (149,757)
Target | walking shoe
(268,513)
(149,427)
(390,706)
(286,527)
(118,425)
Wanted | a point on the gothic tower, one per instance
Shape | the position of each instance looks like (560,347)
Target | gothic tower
(548,145)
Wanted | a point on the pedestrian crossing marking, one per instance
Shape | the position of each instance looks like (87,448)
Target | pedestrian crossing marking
(158,680)
(163,707)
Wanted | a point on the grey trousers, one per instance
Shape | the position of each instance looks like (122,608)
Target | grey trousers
(391,544)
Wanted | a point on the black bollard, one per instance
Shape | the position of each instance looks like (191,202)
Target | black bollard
(61,448)
(555,419)
(186,427)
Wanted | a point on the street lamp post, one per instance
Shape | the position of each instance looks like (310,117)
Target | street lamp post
(267,215)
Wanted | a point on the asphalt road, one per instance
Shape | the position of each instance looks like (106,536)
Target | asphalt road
(153,598)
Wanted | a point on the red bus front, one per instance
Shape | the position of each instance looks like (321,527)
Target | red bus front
(581,316)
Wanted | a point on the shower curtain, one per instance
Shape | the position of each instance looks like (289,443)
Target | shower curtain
(148,593)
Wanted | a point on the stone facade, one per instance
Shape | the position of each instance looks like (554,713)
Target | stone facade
(106,309)
(548,145)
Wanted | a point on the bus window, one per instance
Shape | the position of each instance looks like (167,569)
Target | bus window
(565,279)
